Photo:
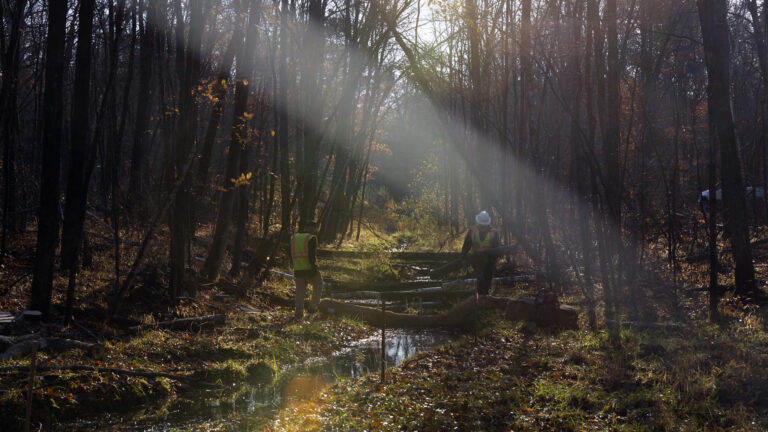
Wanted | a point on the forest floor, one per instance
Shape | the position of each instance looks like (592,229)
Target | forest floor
(255,343)
(510,377)
(692,375)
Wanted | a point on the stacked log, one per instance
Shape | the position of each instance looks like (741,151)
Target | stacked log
(514,309)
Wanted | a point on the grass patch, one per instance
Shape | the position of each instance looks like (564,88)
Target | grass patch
(512,378)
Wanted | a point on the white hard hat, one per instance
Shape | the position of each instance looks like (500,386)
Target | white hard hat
(483,218)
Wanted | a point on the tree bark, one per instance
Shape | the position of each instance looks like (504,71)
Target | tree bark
(77,185)
(238,141)
(48,225)
(313,46)
(144,99)
(188,63)
(713,15)
(9,119)
(219,95)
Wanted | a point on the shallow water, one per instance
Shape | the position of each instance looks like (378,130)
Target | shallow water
(250,407)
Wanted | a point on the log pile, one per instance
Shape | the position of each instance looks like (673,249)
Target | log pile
(562,316)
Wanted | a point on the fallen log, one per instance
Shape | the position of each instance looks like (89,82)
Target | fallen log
(405,256)
(20,350)
(499,281)
(183,323)
(82,368)
(275,299)
(333,285)
(645,325)
(514,309)
(110,241)
(429,292)
(461,262)
(450,267)
(282,274)
(26,345)
(399,307)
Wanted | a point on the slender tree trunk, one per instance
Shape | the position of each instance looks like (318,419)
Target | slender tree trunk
(188,69)
(48,222)
(74,210)
(313,46)
(714,28)
(144,103)
(9,119)
(77,186)
(282,101)
(219,95)
(238,140)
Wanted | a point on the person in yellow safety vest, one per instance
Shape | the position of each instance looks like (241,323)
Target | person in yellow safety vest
(304,259)
(478,240)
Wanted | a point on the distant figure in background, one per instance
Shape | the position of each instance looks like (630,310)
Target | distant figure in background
(304,258)
(478,241)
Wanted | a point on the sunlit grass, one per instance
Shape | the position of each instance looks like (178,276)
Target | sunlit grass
(705,378)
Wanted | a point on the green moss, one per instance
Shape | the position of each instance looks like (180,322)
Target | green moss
(226,372)
(260,372)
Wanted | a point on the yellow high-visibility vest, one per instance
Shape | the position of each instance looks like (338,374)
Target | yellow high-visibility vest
(478,244)
(300,251)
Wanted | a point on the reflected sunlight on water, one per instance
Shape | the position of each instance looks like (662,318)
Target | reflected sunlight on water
(302,388)
(302,402)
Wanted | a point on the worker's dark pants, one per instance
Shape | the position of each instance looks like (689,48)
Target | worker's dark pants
(484,273)
(301,291)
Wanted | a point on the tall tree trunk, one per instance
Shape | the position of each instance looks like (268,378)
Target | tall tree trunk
(144,103)
(219,95)
(238,140)
(476,92)
(48,222)
(77,185)
(713,15)
(9,118)
(313,45)
(74,210)
(282,101)
(188,69)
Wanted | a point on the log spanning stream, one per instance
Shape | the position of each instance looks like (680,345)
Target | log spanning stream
(251,407)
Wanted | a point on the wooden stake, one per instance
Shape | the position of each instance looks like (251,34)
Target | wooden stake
(30,386)
(383,339)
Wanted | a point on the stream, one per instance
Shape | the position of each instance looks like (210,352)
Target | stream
(251,407)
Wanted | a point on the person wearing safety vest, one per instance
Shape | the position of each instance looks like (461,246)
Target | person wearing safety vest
(478,241)
(304,259)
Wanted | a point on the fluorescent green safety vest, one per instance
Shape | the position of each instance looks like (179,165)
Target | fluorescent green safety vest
(300,251)
(478,244)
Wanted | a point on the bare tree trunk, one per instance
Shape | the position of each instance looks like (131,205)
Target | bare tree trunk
(219,95)
(77,186)
(144,102)
(715,293)
(714,28)
(282,100)
(188,69)
(9,119)
(48,225)
(313,47)
(238,141)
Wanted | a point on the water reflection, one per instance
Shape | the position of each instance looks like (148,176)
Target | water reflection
(252,407)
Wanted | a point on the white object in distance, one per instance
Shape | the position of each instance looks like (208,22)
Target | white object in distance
(483,218)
